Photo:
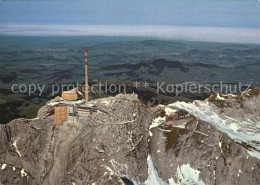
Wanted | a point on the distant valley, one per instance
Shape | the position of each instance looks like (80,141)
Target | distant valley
(60,60)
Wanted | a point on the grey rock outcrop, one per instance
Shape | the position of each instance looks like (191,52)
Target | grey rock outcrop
(82,152)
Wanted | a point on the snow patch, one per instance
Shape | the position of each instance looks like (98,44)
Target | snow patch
(110,170)
(156,122)
(180,126)
(53,103)
(3,166)
(220,146)
(106,102)
(80,93)
(187,175)
(15,145)
(219,97)
(153,177)
(150,133)
(169,110)
(254,154)
(232,95)
(234,127)
(171,181)
(23,173)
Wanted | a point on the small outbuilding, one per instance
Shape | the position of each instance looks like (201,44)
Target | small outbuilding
(176,115)
(70,95)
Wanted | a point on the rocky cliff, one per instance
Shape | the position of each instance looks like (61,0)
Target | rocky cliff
(126,142)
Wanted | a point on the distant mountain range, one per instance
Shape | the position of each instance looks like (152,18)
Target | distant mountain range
(159,65)
(163,70)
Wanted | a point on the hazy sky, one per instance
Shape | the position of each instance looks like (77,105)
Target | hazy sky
(24,17)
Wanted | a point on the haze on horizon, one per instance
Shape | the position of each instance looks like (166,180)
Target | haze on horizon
(209,20)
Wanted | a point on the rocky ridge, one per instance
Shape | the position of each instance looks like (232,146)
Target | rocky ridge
(128,142)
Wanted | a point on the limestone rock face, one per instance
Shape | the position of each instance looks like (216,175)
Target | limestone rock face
(124,142)
(219,159)
(102,147)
